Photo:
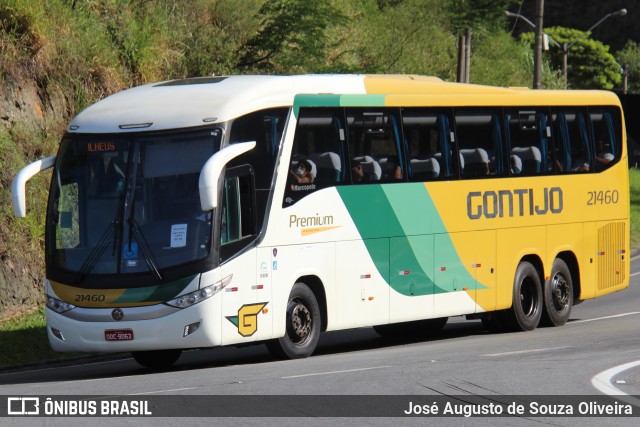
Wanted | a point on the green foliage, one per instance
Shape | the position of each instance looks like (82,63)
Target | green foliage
(24,341)
(210,33)
(590,65)
(22,239)
(634,185)
(630,56)
(291,37)
(515,62)
(16,31)
(477,14)
(406,38)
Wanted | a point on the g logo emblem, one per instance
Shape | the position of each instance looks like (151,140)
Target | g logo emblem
(247,318)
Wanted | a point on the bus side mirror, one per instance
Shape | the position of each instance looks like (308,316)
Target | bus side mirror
(18,196)
(212,169)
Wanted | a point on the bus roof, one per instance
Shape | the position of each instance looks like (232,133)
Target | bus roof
(198,101)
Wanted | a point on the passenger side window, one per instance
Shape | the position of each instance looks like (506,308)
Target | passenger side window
(231,223)
(480,146)
(266,128)
(605,125)
(374,146)
(528,132)
(237,213)
(318,155)
(428,140)
(571,141)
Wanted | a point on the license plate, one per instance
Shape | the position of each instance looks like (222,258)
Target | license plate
(118,335)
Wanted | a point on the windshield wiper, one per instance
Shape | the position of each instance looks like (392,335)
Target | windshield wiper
(147,253)
(134,228)
(98,250)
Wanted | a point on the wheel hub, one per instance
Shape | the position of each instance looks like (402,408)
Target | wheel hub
(300,322)
(528,299)
(559,291)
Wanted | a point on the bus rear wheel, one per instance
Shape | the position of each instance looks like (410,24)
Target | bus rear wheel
(303,324)
(558,295)
(157,359)
(526,310)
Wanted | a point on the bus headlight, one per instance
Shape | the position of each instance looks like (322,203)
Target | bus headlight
(58,306)
(187,300)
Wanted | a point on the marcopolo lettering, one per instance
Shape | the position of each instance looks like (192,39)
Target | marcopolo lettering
(509,203)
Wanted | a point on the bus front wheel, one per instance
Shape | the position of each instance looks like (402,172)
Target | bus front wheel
(526,310)
(303,325)
(558,295)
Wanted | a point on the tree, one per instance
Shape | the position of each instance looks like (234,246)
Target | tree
(485,14)
(405,37)
(590,65)
(291,37)
(582,14)
(630,56)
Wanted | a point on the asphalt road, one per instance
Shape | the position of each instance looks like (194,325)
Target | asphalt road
(594,354)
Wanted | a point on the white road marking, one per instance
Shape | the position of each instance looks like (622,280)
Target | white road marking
(635,274)
(534,350)
(335,372)
(606,317)
(602,382)
(161,391)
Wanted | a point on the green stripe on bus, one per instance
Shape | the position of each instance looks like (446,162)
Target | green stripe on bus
(156,293)
(328,100)
(407,216)
(362,100)
(314,101)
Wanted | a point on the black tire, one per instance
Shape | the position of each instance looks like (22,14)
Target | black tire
(526,310)
(303,326)
(414,329)
(157,359)
(558,295)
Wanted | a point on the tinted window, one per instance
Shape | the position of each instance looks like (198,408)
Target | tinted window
(605,124)
(318,154)
(479,140)
(374,146)
(571,141)
(427,135)
(528,132)
(266,128)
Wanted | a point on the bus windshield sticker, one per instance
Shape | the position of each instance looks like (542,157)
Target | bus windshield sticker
(178,235)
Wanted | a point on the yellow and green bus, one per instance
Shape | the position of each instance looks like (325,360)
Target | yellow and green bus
(230,210)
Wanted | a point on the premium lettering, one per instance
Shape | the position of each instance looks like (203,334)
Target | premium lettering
(310,221)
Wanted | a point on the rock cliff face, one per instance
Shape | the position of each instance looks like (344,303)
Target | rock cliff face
(29,112)
(21,290)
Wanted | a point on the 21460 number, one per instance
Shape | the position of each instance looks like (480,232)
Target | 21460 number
(608,197)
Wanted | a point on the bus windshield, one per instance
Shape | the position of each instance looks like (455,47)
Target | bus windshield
(129,204)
